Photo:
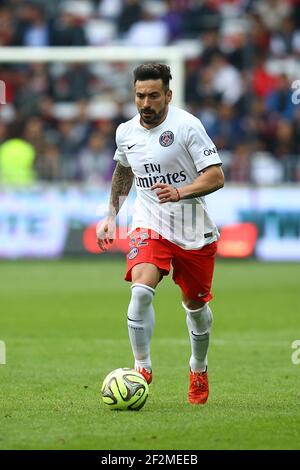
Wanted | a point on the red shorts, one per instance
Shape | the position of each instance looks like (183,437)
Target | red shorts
(192,269)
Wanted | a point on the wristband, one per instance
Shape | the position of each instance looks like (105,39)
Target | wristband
(178,194)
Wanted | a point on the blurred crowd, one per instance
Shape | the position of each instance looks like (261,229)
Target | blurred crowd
(242,66)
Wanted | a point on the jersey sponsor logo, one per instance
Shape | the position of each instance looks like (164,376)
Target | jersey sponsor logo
(208,152)
(166,138)
(130,146)
(202,294)
(133,253)
(168,178)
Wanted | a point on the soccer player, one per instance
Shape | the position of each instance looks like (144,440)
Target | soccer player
(175,164)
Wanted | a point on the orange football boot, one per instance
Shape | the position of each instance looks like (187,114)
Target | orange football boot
(198,392)
(145,373)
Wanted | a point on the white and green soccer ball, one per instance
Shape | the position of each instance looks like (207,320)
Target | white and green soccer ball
(124,389)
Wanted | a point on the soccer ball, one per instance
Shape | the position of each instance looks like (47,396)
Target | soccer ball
(124,389)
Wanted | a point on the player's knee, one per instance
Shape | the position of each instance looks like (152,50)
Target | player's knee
(192,304)
(142,294)
(146,274)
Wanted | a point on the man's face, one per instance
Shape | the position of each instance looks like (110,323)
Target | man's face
(151,101)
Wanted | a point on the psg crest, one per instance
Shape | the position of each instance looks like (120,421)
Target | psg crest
(133,253)
(166,138)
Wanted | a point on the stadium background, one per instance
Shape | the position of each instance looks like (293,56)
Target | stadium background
(61,319)
(58,123)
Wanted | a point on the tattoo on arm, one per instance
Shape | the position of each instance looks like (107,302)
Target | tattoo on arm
(121,184)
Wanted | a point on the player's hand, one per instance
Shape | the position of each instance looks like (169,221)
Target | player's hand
(166,193)
(105,232)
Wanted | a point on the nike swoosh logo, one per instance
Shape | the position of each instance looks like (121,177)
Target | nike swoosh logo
(130,146)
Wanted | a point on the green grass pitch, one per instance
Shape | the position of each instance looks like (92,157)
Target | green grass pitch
(64,326)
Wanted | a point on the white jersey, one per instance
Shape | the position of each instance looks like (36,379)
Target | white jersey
(174,152)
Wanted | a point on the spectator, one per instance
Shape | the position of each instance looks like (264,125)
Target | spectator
(286,40)
(173,18)
(67,32)
(226,80)
(110,10)
(284,149)
(258,126)
(149,31)
(130,14)
(6,26)
(78,78)
(258,34)
(272,12)
(242,52)
(265,169)
(68,144)
(48,166)
(33,28)
(263,82)
(210,40)
(279,102)
(95,160)
(34,134)
(202,16)
(17,162)
(227,130)
(240,164)
(31,83)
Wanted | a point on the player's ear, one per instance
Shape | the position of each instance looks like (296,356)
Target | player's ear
(169,96)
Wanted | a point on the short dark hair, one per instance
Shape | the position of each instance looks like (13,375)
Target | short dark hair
(153,72)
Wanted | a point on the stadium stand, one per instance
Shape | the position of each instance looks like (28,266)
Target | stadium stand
(239,83)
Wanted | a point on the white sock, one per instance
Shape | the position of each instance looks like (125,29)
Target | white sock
(140,322)
(199,323)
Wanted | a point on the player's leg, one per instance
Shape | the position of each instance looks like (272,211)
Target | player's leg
(198,320)
(193,272)
(140,319)
(145,270)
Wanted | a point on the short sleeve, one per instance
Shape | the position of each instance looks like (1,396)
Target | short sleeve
(120,155)
(200,146)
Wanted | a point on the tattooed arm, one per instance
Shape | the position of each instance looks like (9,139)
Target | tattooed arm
(121,184)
